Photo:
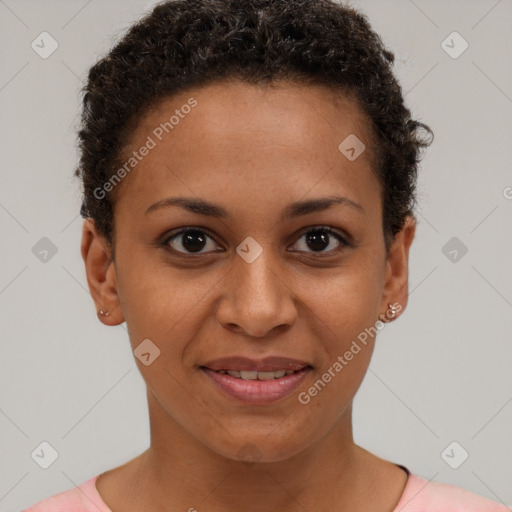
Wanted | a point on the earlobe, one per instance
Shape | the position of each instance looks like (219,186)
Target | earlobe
(397,268)
(100,271)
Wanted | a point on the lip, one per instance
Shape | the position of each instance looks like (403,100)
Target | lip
(257,391)
(268,364)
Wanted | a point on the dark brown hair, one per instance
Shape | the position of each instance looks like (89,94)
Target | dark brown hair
(186,43)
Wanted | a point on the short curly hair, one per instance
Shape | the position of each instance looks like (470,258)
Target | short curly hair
(186,43)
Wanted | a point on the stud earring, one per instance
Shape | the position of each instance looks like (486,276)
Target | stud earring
(384,317)
(103,313)
(393,309)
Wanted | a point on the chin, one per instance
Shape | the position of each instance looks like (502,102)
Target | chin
(261,447)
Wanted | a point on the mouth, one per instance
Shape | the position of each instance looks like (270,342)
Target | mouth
(255,375)
(256,382)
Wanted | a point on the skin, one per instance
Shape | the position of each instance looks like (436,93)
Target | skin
(252,150)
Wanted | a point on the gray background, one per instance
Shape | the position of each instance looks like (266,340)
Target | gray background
(440,374)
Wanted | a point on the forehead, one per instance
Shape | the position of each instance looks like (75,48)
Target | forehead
(285,108)
(238,136)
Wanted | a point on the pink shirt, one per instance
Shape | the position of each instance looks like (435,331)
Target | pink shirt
(419,495)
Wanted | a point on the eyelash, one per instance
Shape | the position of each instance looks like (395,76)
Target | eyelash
(323,229)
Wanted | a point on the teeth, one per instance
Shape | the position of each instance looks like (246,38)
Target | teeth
(265,375)
(253,375)
(248,375)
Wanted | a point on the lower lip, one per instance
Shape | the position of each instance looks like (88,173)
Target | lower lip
(257,391)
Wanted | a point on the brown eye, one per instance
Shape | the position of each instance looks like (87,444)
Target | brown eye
(320,240)
(193,240)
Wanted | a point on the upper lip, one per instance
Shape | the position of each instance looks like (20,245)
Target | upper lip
(268,364)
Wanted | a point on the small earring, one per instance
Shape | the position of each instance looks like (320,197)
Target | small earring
(383,317)
(103,313)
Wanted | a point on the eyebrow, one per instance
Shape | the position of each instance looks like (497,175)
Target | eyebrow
(296,209)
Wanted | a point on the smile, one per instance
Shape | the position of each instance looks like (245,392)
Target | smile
(253,375)
(256,387)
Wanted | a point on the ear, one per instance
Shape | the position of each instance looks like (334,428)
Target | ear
(101,275)
(396,290)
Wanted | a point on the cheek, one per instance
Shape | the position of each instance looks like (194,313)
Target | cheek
(156,298)
(346,309)
(345,328)
(347,301)
(164,309)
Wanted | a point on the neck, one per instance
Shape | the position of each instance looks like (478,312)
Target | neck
(185,474)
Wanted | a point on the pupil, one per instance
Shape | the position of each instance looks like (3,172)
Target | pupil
(317,240)
(194,241)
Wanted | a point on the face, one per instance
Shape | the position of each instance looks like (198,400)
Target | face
(283,267)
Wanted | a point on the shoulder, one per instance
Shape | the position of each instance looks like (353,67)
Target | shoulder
(84,498)
(421,495)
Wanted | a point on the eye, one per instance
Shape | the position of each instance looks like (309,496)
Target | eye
(319,239)
(199,241)
(194,240)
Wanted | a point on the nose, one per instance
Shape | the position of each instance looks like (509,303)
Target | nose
(257,301)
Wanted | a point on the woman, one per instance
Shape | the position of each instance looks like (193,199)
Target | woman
(273,134)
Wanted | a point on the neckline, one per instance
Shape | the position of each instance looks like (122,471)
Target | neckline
(408,489)
(401,501)
(97,495)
